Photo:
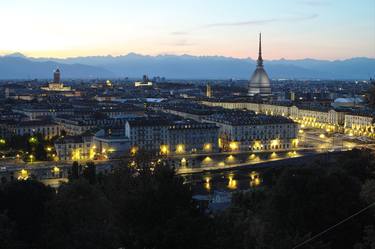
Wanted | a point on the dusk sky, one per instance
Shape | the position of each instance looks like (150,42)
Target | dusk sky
(293,29)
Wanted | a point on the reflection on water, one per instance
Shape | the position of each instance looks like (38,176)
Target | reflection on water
(207,184)
(223,181)
(254,179)
(236,179)
(232,183)
(293,154)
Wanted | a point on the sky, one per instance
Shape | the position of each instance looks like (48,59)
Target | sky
(291,29)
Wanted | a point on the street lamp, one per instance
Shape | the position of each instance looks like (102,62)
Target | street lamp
(33,140)
(31,158)
(180,148)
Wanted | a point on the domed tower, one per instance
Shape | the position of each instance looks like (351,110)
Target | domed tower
(260,82)
(56,76)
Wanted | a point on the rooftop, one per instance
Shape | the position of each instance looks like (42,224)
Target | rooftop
(238,118)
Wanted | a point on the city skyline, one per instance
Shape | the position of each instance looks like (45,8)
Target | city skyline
(317,29)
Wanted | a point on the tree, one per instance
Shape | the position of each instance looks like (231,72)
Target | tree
(89,172)
(368,241)
(155,210)
(24,202)
(305,201)
(75,171)
(7,233)
(371,95)
(368,191)
(357,163)
(142,159)
(80,217)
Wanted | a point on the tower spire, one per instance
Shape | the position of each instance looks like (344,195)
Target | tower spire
(260,60)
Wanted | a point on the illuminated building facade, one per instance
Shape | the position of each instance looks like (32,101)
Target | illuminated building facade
(111,142)
(172,137)
(147,133)
(40,111)
(56,85)
(244,131)
(337,120)
(144,83)
(360,124)
(74,148)
(46,128)
(193,137)
(208,90)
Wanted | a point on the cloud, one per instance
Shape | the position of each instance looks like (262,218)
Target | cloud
(247,23)
(179,33)
(183,42)
(261,22)
(179,43)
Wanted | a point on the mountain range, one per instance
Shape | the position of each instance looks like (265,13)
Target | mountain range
(18,66)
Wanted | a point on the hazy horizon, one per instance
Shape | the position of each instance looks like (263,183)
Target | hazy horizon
(293,29)
(16,53)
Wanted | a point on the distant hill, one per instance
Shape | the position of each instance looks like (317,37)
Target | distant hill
(19,67)
(182,66)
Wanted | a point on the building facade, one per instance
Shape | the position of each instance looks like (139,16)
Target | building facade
(75,148)
(172,137)
(339,120)
(244,131)
(46,128)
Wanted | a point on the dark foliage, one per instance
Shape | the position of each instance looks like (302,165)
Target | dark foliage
(143,207)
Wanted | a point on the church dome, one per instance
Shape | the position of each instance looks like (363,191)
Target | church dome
(260,83)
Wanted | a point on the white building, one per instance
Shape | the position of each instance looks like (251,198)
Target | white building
(32,127)
(172,137)
(346,120)
(243,131)
(75,148)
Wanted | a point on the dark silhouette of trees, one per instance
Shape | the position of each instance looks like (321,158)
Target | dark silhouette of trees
(80,217)
(371,94)
(157,210)
(151,207)
(75,171)
(89,172)
(24,204)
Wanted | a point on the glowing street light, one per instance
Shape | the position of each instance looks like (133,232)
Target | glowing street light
(207,184)
(233,146)
(180,148)
(207,147)
(273,155)
(23,174)
(164,149)
(31,158)
(33,140)
(252,156)
(232,184)
(207,160)
(183,162)
(133,150)
(56,170)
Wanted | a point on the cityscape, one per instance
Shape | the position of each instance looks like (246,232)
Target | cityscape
(200,148)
